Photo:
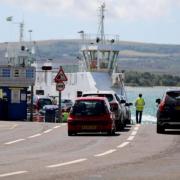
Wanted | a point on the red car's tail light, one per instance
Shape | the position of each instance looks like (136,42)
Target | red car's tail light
(162,104)
(70,117)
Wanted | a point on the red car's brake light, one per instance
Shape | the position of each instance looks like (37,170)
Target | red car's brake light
(70,117)
(162,104)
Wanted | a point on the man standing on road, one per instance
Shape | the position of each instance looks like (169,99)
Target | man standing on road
(139,108)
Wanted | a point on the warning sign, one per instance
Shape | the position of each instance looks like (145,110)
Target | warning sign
(60,76)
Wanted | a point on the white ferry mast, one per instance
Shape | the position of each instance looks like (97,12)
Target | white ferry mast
(101,23)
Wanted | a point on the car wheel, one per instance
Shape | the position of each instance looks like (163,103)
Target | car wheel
(160,129)
(111,132)
(70,133)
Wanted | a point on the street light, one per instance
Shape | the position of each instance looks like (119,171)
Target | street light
(30,32)
(21,25)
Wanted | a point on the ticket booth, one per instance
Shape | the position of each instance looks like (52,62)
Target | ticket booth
(13,103)
(14,83)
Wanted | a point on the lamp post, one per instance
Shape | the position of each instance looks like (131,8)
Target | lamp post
(30,32)
(21,26)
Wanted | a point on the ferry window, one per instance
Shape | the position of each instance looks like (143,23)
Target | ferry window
(29,73)
(40,92)
(6,72)
(16,73)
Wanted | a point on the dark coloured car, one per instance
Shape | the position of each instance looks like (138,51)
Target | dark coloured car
(168,113)
(91,114)
(66,104)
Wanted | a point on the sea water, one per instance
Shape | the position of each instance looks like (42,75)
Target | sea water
(150,94)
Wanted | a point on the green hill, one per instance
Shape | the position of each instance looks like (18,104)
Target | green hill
(134,56)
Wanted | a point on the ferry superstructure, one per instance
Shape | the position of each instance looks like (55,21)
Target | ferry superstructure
(96,66)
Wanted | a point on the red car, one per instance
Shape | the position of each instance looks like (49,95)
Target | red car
(91,114)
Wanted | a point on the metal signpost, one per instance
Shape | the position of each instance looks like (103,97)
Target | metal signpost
(59,79)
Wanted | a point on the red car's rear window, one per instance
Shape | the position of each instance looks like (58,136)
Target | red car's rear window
(89,108)
(108,96)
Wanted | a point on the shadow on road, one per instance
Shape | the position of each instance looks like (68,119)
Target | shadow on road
(98,134)
(127,128)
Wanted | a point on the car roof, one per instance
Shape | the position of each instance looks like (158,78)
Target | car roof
(92,98)
(173,90)
(99,92)
(41,97)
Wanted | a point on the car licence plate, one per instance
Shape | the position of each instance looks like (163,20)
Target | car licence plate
(90,127)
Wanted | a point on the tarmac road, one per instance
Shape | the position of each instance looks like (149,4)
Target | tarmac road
(43,151)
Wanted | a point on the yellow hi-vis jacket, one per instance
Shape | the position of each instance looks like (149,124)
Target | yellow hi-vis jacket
(139,104)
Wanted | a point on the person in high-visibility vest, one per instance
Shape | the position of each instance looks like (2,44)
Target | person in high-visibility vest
(140,103)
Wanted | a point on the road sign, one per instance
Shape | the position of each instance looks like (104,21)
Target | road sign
(60,76)
(60,86)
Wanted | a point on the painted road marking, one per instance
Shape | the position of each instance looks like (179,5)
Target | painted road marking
(123,144)
(130,138)
(105,153)
(133,133)
(30,137)
(12,142)
(66,163)
(55,127)
(36,135)
(8,126)
(136,128)
(47,131)
(13,173)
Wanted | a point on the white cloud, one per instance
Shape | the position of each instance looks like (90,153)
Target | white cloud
(124,9)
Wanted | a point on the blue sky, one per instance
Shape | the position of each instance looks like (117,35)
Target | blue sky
(154,21)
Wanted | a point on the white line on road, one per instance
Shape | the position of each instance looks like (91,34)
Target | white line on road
(12,142)
(133,133)
(47,131)
(136,128)
(66,163)
(106,153)
(13,173)
(130,138)
(123,145)
(55,127)
(33,136)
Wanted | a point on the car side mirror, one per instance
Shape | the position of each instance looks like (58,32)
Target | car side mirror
(129,104)
(79,93)
(122,101)
(158,101)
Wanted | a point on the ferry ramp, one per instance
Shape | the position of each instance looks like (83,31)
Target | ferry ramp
(90,81)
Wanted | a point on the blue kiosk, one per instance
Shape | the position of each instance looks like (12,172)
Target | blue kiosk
(15,78)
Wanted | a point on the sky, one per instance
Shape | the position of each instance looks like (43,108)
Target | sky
(150,21)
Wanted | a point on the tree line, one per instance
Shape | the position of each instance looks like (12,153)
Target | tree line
(148,79)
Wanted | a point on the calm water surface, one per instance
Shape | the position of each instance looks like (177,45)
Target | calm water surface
(150,94)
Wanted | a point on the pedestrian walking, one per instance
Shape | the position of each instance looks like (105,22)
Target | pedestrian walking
(139,104)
